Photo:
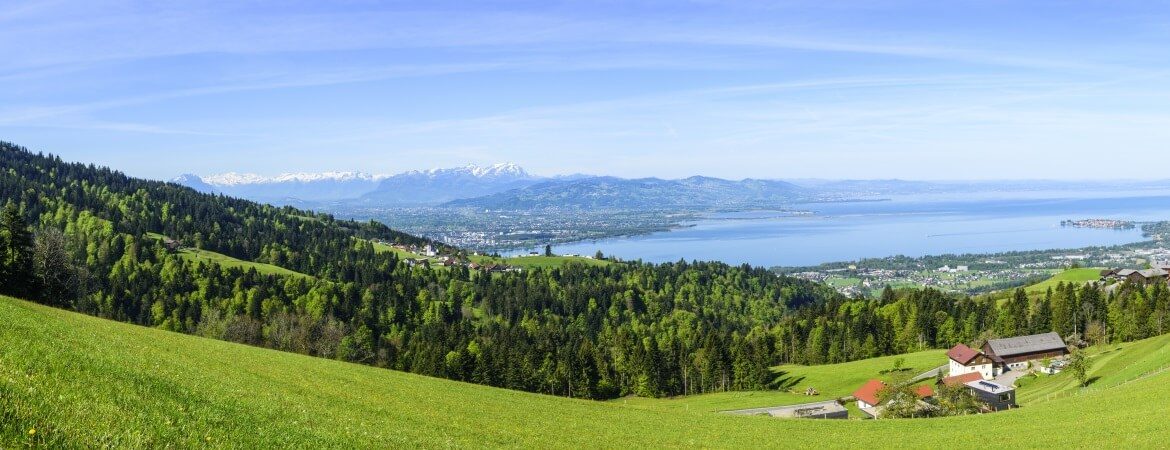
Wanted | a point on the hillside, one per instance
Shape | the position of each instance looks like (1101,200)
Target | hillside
(300,281)
(82,381)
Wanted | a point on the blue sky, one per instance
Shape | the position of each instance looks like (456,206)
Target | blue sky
(790,89)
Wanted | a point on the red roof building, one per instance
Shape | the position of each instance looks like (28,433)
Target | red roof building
(965,359)
(867,394)
(962,354)
(959,380)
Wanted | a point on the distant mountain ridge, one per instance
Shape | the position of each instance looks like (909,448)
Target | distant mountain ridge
(692,193)
(500,186)
(408,188)
(442,185)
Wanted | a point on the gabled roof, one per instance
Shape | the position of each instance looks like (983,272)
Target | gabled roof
(1026,344)
(962,379)
(962,354)
(868,392)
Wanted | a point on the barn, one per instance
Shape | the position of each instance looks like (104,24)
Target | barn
(1015,353)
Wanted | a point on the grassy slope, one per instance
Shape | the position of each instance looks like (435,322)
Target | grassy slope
(83,381)
(1078,276)
(196,255)
(1110,365)
(831,380)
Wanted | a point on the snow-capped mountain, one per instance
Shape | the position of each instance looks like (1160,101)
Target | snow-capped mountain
(442,185)
(194,182)
(416,187)
(235,179)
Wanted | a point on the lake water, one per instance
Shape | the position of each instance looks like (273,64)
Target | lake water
(912,226)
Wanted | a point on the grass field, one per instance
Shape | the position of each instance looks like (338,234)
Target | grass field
(68,380)
(402,254)
(1078,276)
(197,255)
(194,255)
(1109,365)
(831,380)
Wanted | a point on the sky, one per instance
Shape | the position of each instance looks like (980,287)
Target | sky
(733,89)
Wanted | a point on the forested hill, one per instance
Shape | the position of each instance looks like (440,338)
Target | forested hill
(92,239)
(89,238)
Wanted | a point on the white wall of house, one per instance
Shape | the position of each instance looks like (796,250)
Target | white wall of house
(987,370)
(862,404)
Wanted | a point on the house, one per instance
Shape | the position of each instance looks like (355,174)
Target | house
(997,396)
(1017,352)
(867,394)
(957,380)
(1137,276)
(429,250)
(171,244)
(964,360)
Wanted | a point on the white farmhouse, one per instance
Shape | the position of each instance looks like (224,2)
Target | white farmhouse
(964,359)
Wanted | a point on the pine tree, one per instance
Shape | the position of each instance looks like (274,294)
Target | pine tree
(17,276)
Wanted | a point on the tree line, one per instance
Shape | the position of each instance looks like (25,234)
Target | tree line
(94,240)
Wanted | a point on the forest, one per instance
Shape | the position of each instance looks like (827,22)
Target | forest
(96,241)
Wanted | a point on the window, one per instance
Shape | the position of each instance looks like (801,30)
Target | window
(1005,397)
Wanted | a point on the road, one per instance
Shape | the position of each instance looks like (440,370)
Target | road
(929,374)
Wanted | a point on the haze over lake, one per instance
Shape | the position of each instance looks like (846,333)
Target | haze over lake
(912,226)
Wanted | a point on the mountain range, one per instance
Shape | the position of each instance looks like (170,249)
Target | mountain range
(503,186)
(507,186)
(643,193)
(416,187)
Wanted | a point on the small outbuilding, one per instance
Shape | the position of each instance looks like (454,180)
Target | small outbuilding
(997,396)
(822,410)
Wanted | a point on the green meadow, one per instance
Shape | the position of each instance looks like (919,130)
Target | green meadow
(197,255)
(69,380)
(830,381)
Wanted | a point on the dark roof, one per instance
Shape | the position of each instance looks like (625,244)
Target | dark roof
(1026,344)
(962,354)
(869,391)
(962,379)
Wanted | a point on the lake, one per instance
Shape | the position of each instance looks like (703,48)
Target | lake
(912,226)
